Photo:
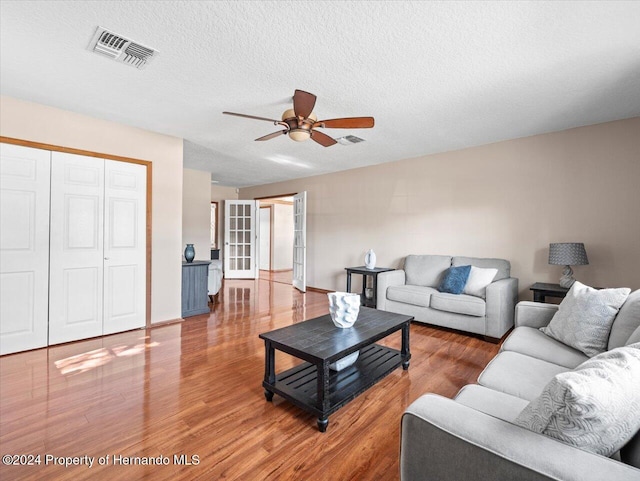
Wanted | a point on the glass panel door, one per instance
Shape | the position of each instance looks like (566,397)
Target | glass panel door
(300,241)
(240,256)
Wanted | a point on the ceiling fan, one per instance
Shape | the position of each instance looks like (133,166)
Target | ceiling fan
(301,123)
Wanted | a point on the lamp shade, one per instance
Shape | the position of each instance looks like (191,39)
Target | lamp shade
(568,254)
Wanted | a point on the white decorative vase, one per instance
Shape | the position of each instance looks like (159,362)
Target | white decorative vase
(345,362)
(370,259)
(344,308)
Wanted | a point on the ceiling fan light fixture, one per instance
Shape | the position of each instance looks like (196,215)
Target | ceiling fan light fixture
(300,135)
(288,114)
(291,114)
(301,124)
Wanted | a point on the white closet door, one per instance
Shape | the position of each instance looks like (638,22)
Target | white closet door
(124,246)
(24,247)
(76,255)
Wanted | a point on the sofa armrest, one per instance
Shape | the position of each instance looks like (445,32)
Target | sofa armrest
(501,300)
(534,314)
(444,440)
(387,279)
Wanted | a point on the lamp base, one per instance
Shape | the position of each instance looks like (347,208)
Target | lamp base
(567,279)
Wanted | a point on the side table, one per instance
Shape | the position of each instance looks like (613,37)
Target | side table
(364,272)
(194,288)
(542,290)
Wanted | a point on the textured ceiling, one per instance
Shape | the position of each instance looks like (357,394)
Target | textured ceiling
(436,76)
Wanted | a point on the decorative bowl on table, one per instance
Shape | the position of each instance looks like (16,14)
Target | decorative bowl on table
(344,308)
(345,362)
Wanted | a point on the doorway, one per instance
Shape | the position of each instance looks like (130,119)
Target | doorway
(276,238)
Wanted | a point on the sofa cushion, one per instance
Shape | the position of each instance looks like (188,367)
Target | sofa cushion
(626,322)
(534,343)
(519,375)
(596,407)
(415,295)
(458,304)
(454,279)
(479,279)
(503,266)
(425,270)
(585,316)
(489,401)
(635,337)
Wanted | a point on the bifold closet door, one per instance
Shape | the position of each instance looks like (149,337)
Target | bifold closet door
(98,247)
(24,247)
(124,246)
(76,253)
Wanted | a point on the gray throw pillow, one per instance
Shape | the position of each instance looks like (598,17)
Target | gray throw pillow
(595,407)
(585,316)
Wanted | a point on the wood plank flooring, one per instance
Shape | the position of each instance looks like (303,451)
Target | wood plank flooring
(194,389)
(285,277)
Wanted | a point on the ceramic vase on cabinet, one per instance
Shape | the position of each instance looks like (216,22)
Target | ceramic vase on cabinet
(370,259)
(189,253)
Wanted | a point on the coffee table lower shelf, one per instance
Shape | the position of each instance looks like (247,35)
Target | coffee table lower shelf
(299,385)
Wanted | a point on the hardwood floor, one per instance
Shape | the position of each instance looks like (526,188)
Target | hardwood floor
(285,277)
(194,388)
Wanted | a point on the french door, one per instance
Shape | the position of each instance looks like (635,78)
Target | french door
(24,247)
(240,239)
(300,241)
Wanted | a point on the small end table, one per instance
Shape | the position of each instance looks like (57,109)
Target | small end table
(364,272)
(542,290)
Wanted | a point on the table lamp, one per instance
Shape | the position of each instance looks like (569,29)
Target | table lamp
(567,254)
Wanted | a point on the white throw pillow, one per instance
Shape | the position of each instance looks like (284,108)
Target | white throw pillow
(585,317)
(479,279)
(595,407)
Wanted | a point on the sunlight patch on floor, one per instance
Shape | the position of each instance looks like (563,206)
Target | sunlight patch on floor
(99,357)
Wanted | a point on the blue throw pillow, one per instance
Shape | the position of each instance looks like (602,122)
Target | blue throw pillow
(454,280)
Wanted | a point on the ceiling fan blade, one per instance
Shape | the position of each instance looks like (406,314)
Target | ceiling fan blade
(303,103)
(347,123)
(272,135)
(322,139)
(251,117)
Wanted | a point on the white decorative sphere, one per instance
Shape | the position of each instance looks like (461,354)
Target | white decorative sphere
(344,308)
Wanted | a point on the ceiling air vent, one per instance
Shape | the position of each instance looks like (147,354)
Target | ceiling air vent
(349,139)
(121,49)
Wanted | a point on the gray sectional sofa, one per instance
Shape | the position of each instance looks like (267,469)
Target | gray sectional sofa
(413,291)
(474,435)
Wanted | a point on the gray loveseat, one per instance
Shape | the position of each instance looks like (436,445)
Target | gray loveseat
(473,437)
(413,291)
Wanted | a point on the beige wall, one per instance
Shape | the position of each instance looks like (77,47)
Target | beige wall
(40,123)
(508,199)
(282,246)
(196,212)
(220,193)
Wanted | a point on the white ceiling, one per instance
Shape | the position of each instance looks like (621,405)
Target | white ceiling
(436,76)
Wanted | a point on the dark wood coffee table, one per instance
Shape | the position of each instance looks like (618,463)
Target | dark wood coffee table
(315,388)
